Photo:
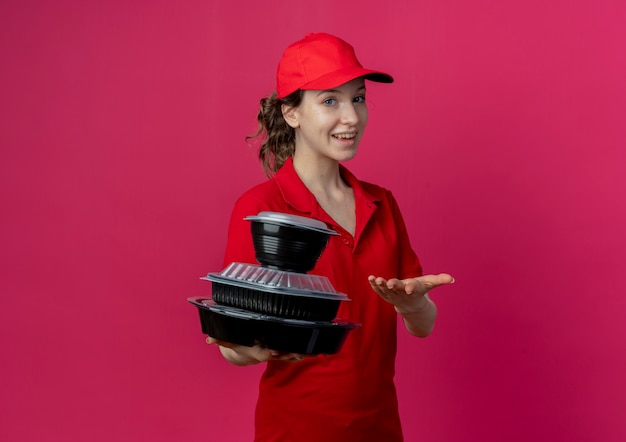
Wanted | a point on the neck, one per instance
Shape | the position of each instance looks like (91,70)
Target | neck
(324,180)
(320,177)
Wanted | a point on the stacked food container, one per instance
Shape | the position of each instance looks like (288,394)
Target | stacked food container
(277,303)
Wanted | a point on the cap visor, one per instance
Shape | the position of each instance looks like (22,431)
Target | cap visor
(343,76)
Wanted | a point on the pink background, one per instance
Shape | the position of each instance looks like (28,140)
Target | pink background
(122,151)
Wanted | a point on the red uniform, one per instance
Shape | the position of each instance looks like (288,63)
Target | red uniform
(349,396)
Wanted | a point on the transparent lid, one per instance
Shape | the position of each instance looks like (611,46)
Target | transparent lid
(278,281)
(286,219)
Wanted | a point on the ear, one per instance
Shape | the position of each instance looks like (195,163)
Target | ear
(290,114)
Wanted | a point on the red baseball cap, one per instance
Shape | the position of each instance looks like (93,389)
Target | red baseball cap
(321,61)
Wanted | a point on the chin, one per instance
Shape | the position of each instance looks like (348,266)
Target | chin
(345,154)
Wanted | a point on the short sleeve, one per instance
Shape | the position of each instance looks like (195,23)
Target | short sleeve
(239,246)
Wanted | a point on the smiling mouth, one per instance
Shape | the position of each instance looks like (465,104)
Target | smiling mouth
(344,136)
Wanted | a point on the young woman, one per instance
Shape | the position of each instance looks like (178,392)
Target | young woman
(310,125)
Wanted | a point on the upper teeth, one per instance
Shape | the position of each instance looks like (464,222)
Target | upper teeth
(345,135)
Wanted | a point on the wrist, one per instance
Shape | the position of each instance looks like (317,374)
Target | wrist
(420,319)
(418,306)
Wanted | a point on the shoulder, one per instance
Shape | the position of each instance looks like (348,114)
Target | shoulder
(265,196)
(260,193)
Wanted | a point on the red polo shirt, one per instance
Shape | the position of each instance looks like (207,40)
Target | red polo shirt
(349,396)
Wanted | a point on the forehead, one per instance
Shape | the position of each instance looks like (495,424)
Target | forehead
(350,87)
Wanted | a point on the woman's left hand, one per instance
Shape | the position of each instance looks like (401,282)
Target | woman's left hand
(408,295)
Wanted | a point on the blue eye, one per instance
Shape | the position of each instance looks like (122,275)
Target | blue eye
(329,101)
(359,99)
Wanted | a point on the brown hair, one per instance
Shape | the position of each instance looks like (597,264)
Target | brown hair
(278,139)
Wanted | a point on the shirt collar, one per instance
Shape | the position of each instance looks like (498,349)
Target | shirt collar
(298,196)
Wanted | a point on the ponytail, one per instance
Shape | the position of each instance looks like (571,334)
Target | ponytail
(278,139)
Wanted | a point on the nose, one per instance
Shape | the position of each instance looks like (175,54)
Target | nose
(349,114)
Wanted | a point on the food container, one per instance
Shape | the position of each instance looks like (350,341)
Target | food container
(288,242)
(277,304)
(276,292)
(287,335)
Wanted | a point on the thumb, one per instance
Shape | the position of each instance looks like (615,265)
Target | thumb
(433,281)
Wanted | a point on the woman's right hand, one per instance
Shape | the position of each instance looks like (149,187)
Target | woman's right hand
(243,355)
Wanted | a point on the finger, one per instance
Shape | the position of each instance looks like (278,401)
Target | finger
(263,354)
(390,284)
(432,281)
(212,341)
(288,357)
(394,284)
(376,280)
(377,284)
(297,358)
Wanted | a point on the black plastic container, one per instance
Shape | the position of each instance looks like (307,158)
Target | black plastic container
(276,292)
(288,242)
(292,336)
(275,304)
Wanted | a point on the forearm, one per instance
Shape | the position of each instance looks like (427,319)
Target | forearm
(419,320)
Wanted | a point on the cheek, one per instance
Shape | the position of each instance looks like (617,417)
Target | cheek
(317,119)
(325,122)
(363,116)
